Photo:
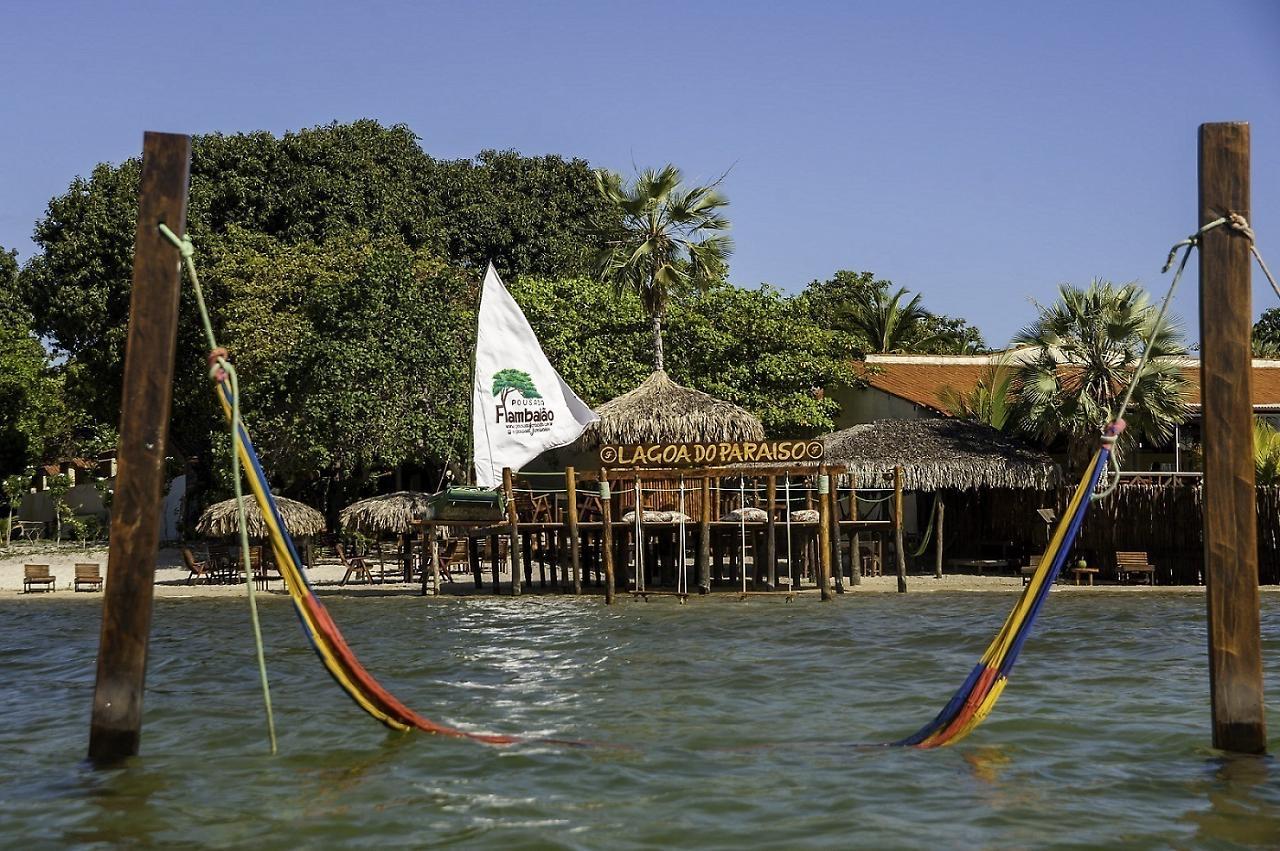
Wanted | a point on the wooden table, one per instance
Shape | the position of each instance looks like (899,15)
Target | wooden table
(1084,571)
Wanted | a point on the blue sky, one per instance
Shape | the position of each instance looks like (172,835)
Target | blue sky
(978,153)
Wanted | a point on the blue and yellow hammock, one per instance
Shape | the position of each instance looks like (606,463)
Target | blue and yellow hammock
(966,710)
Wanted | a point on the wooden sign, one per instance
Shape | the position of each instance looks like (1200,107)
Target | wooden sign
(712,454)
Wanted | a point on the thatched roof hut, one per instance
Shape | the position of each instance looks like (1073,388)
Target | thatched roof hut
(938,454)
(392,512)
(661,411)
(221,521)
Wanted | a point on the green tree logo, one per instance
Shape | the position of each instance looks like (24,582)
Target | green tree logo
(513,379)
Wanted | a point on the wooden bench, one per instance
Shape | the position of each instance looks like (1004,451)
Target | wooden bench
(35,577)
(88,577)
(1129,564)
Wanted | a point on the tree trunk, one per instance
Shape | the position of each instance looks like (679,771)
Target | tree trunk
(656,325)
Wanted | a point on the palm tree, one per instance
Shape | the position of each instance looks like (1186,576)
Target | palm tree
(990,401)
(669,238)
(1088,347)
(884,324)
(1266,453)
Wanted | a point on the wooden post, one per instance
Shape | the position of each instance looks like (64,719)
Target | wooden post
(771,533)
(937,538)
(897,530)
(704,539)
(833,509)
(575,540)
(606,544)
(1230,513)
(115,729)
(435,565)
(513,526)
(824,532)
(494,547)
(473,556)
(855,554)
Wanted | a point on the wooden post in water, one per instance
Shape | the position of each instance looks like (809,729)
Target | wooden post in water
(606,542)
(115,729)
(575,539)
(704,539)
(937,539)
(1230,511)
(513,524)
(771,532)
(833,502)
(824,532)
(897,530)
(495,559)
(435,563)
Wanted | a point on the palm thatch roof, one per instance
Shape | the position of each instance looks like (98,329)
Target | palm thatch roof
(220,520)
(940,453)
(661,411)
(391,512)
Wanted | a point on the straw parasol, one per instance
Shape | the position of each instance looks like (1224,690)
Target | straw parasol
(220,520)
(937,454)
(661,411)
(392,512)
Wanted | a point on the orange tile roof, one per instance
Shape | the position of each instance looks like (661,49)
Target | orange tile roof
(925,380)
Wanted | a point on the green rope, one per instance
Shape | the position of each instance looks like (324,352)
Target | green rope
(220,363)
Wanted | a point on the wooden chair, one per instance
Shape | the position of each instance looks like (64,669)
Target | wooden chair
(1130,563)
(197,569)
(354,565)
(264,570)
(1029,569)
(870,561)
(88,577)
(35,577)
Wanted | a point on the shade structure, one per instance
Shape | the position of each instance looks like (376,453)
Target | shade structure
(940,453)
(662,411)
(391,513)
(220,520)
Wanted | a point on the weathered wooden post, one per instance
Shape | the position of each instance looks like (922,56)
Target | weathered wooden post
(494,560)
(115,729)
(513,525)
(606,531)
(435,563)
(897,530)
(937,539)
(855,537)
(473,556)
(575,540)
(833,509)
(704,539)
(824,532)
(1230,512)
(771,532)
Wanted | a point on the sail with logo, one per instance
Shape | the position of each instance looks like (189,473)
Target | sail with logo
(521,407)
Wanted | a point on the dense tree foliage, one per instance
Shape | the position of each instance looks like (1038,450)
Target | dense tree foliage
(862,307)
(1266,334)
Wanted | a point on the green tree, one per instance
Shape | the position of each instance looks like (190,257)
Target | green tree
(508,380)
(15,487)
(671,238)
(1088,346)
(59,486)
(1266,334)
(989,401)
(1266,453)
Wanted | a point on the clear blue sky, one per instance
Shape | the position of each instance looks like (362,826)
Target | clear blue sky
(979,153)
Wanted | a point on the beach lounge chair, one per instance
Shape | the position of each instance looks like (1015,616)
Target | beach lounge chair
(197,568)
(1130,564)
(88,577)
(355,565)
(35,577)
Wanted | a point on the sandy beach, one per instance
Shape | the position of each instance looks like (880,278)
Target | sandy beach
(171,579)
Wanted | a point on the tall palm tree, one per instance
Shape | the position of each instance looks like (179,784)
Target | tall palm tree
(670,237)
(1089,344)
(883,323)
(989,401)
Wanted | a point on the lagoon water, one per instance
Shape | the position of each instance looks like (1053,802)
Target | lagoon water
(737,726)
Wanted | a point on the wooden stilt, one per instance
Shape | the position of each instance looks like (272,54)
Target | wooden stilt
(115,729)
(855,555)
(435,564)
(824,532)
(833,508)
(606,543)
(1230,511)
(937,538)
(575,538)
(897,530)
(704,539)
(513,527)
(473,556)
(495,558)
(771,532)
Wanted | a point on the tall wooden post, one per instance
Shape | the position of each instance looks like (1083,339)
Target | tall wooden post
(771,532)
(575,541)
(704,539)
(897,530)
(435,564)
(1230,512)
(937,538)
(115,729)
(824,533)
(473,556)
(833,503)
(513,524)
(606,532)
(855,539)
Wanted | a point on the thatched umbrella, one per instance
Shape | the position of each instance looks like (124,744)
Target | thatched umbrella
(392,513)
(221,520)
(937,454)
(661,411)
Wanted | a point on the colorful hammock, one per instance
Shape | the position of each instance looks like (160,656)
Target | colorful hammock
(319,628)
(980,691)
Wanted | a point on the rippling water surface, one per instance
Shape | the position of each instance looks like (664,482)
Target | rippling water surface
(736,724)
